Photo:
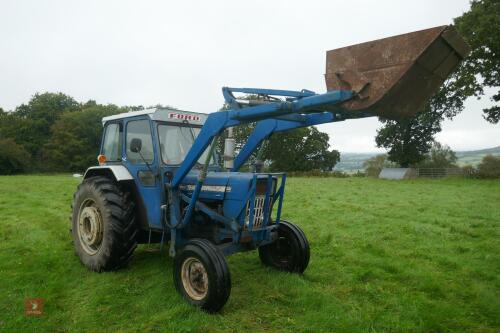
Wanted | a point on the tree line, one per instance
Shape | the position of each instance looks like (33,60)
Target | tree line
(55,133)
(52,133)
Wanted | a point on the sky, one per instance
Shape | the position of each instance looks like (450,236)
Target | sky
(181,53)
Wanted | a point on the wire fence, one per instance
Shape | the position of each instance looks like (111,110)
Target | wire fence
(441,172)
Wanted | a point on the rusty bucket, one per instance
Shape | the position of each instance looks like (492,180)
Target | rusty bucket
(395,76)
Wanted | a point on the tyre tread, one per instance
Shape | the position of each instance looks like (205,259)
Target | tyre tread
(122,232)
(222,287)
(303,250)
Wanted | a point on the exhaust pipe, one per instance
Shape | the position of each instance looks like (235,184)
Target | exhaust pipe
(229,145)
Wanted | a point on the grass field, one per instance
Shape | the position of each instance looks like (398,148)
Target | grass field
(409,256)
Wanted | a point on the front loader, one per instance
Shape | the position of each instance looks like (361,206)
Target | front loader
(159,179)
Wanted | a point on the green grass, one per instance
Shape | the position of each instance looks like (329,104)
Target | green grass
(414,256)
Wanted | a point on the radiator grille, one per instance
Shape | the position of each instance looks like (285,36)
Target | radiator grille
(258,215)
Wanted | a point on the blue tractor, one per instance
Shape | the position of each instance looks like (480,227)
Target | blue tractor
(160,178)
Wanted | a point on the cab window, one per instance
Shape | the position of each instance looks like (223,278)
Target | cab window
(112,144)
(140,129)
(176,141)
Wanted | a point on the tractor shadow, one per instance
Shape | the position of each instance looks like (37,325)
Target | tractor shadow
(147,255)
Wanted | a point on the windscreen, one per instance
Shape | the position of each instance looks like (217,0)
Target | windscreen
(176,141)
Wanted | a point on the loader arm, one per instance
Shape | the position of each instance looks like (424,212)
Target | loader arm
(301,108)
(265,128)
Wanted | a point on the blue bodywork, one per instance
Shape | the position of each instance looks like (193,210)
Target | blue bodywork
(238,205)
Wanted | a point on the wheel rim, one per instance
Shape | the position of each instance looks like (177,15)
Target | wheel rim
(194,278)
(90,227)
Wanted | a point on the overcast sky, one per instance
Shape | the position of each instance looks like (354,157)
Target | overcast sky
(181,53)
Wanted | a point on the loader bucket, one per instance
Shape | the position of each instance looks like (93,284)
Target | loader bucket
(395,76)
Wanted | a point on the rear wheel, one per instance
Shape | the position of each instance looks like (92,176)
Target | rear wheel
(290,252)
(103,224)
(201,275)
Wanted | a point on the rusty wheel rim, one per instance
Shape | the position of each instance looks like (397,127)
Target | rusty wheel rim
(194,278)
(90,227)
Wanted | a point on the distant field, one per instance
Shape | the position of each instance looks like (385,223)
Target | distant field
(409,256)
(475,157)
(352,162)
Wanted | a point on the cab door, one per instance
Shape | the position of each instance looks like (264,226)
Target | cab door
(144,166)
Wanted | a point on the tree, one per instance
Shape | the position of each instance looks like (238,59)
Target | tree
(76,138)
(44,109)
(30,124)
(489,167)
(302,149)
(13,157)
(47,106)
(374,165)
(440,156)
(409,140)
(480,26)
(26,132)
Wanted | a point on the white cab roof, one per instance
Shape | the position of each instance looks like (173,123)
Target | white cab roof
(163,114)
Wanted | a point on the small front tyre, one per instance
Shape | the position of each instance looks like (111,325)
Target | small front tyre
(290,252)
(201,275)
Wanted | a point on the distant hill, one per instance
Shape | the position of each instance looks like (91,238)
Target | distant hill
(475,156)
(352,162)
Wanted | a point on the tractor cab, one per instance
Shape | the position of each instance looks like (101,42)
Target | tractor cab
(146,148)
(164,136)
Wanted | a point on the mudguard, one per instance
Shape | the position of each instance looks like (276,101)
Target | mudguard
(118,171)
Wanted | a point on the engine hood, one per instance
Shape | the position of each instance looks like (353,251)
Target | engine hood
(219,185)
(231,188)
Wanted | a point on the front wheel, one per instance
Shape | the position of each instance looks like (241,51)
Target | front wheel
(201,275)
(290,252)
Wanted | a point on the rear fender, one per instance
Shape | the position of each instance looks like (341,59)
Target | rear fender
(121,175)
(117,172)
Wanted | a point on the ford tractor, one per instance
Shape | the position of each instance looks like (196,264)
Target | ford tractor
(161,180)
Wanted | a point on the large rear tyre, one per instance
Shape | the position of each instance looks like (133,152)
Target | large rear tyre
(103,224)
(201,275)
(290,252)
